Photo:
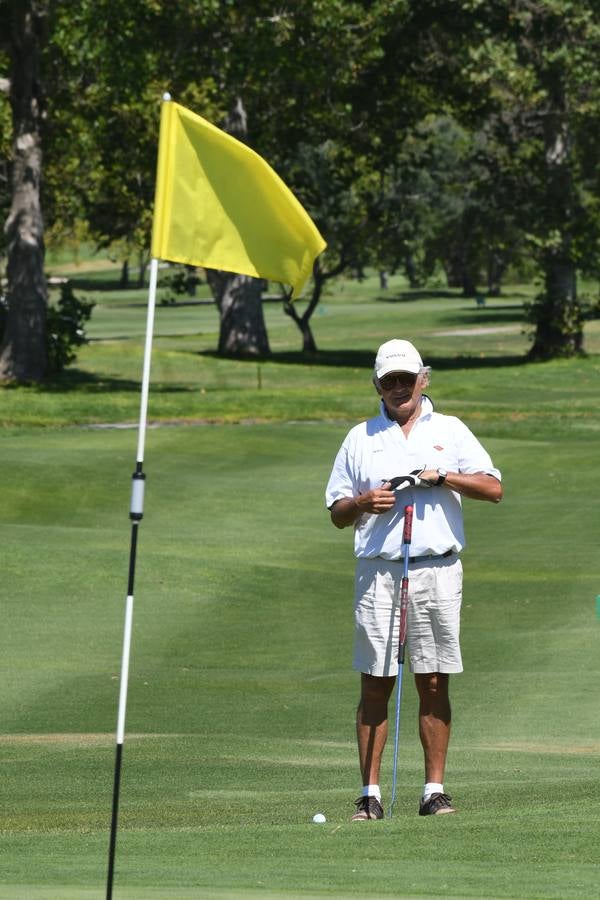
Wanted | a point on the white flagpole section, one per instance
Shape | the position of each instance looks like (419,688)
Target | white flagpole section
(147,359)
(125,669)
(136,512)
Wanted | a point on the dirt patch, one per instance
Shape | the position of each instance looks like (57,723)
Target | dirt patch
(467,332)
(591,748)
(76,739)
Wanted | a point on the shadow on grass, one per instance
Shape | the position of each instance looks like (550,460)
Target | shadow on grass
(419,294)
(363,359)
(425,294)
(101,284)
(489,316)
(87,382)
(113,285)
(76,380)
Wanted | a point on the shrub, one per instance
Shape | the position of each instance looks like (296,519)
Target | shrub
(65,329)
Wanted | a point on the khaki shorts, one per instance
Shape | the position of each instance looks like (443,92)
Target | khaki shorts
(434,600)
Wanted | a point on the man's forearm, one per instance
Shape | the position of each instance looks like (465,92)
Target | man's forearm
(347,510)
(477,487)
(344,512)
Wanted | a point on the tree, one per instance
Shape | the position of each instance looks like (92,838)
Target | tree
(23,354)
(272,63)
(526,71)
(335,186)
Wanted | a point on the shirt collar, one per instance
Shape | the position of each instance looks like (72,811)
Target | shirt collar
(426,411)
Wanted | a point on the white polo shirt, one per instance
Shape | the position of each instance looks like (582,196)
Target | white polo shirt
(377,450)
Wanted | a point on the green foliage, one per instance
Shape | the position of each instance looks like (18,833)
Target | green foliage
(65,328)
(416,133)
(440,202)
(182,280)
(527,74)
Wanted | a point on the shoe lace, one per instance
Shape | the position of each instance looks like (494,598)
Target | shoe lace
(368,804)
(440,800)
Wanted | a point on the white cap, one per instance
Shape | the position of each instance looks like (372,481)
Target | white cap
(397,356)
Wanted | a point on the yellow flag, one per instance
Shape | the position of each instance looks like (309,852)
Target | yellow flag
(218,204)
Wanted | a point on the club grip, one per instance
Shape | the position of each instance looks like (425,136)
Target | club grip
(408,517)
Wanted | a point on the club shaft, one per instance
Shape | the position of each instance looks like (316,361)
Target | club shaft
(397,737)
(407,536)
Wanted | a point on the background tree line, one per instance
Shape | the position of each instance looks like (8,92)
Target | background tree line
(419,134)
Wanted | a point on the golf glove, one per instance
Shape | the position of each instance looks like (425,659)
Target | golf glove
(399,482)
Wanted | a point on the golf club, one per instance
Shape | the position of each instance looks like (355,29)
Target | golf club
(406,539)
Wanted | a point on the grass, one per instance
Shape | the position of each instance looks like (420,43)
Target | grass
(241,704)
(473,364)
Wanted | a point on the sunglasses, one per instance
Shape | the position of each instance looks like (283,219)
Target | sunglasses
(404,379)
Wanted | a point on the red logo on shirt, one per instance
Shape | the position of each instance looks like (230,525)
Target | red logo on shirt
(437,447)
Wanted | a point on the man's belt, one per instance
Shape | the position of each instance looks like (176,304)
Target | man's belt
(413,559)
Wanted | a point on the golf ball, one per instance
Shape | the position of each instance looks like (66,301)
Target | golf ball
(319,818)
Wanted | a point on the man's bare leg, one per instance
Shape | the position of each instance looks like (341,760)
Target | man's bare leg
(435,717)
(372,724)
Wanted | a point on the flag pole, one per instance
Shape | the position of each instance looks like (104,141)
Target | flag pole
(136,512)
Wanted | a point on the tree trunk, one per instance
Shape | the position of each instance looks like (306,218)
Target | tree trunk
(143,263)
(242,327)
(124,281)
(496,268)
(453,268)
(557,313)
(309,345)
(23,355)
(469,283)
(411,272)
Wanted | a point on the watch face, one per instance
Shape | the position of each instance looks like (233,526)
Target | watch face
(442,472)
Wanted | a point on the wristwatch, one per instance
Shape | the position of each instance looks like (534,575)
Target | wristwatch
(441,476)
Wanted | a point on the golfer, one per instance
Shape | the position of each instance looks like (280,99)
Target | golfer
(440,462)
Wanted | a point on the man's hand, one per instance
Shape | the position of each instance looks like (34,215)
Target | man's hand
(429,477)
(377,501)
(346,511)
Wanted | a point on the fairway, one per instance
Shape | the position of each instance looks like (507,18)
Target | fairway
(242,700)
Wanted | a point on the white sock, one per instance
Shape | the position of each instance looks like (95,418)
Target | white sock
(371,790)
(432,788)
